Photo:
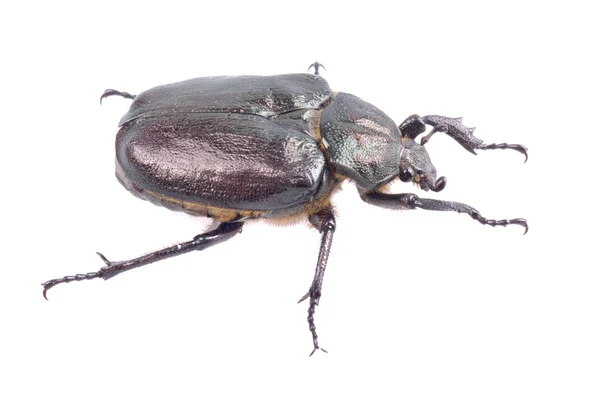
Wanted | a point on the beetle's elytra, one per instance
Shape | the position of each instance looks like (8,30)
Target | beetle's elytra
(272,147)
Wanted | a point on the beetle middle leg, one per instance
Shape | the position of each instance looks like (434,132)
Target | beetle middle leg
(220,233)
(410,201)
(324,221)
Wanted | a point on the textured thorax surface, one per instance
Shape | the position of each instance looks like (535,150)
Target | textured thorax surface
(362,142)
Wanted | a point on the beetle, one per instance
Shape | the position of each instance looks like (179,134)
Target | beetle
(241,148)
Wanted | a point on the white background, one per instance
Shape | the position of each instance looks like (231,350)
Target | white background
(416,305)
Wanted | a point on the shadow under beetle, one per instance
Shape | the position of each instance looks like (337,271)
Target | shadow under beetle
(239,148)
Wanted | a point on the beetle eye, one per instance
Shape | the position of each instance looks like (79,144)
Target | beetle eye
(407,174)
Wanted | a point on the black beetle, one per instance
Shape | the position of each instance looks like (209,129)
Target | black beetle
(277,147)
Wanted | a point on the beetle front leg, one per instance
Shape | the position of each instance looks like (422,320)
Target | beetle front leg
(410,201)
(414,125)
(219,234)
(454,128)
(324,221)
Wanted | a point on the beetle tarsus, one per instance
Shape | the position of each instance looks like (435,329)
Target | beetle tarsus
(316,65)
(113,92)
(314,295)
(314,302)
(219,234)
(71,278)
(502,222)
(502,146)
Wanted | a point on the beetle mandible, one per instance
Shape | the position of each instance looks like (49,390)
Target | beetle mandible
(240,148)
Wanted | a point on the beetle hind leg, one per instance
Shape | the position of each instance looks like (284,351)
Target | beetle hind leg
(220,233)
(324,221)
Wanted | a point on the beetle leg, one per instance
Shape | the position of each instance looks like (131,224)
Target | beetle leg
(324,221)
(412,127)
(219,234)
(503,146)
(113,92)
(454,128)
(410,201)
(316,66)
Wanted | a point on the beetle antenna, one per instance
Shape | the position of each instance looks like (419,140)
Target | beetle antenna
(113,92)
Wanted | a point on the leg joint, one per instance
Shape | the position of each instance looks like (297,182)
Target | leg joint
(328,225)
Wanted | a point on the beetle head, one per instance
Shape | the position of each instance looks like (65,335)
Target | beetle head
(416,166)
